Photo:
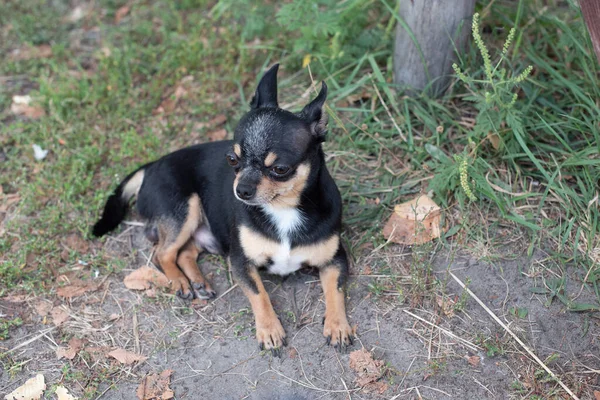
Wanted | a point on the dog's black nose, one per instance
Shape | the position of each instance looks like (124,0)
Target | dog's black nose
(245,192)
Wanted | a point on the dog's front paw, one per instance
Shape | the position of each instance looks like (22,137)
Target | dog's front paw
(181,287)
(203,290)
(271,335)
(338,333)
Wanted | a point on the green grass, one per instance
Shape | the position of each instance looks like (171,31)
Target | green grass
(104,80)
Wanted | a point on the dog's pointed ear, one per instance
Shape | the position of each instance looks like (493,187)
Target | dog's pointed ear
(314,114)
(266,91)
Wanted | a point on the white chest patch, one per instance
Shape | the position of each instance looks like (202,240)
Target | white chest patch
(286,221)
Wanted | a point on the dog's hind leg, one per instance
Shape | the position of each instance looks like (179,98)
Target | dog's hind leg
(187,261)
(173,236)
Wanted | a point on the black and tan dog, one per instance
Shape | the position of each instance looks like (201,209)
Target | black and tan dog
(264,200)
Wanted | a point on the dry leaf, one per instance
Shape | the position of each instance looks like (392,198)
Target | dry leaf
(156,386)
(76,289)
(43,308)
(39,153)
(75,242)
(32,112)
(71,351)
(63,394)
(473,360)
(169,103)
(16,298)
(33,389)
(59,316)
(219,134)
(414,222)
(121,13)
(77,13)
(216,121)
(97,353)
(494,140)
(126,357)
(30,52)
(446,304)
(597,394)
(7,201)
(368,370)
(143,278)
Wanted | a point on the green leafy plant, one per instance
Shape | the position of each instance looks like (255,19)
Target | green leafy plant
(499,117)
(334,32)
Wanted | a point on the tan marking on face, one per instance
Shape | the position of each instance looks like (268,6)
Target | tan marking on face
(132,187)
(259,249)
(237,150)
(336,323)
(270,159)
(283,194)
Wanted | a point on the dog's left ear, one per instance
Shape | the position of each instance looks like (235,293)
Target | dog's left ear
(313,114)
(266,91)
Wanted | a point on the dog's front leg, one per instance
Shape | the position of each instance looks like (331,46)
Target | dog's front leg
(269,331)
(336,329)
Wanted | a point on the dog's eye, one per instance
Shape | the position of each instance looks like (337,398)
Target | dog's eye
(280,170)
(232,160)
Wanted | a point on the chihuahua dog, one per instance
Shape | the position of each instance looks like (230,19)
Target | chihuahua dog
(264,200)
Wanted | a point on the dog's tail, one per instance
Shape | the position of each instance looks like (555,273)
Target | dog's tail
(118,202)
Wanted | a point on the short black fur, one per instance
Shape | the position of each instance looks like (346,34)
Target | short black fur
(295,140)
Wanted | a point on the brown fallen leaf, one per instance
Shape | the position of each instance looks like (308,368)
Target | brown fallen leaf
(473,360)
(494,140)
(156,387)
(63,394)
(59,315)
(144,277)
(219,134)
(170,102)
(216,121)
(126,357)
(16,298)
(368,370)
(121,13)
(8,200)
(597,394)
(97,353)
(33,389)
(76,289)
(75,242)
(71,350)
(446,304)
(414,222)
(43,308)
(31,52)
(31,112)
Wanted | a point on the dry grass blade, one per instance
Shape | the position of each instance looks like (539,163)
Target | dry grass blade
(507,329)
(470,345)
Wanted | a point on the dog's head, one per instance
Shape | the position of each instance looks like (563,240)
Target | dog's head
(274,150)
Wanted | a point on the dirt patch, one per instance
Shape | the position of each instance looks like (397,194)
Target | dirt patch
(425,351)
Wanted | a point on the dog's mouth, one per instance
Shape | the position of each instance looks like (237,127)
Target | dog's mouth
(256,202)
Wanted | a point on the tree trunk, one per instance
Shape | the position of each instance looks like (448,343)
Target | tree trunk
(439,28)
(591,14)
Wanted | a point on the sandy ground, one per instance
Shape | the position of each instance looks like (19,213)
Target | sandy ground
(455,352)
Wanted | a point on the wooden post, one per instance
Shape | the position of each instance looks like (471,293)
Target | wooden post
(591,14)
(439,27)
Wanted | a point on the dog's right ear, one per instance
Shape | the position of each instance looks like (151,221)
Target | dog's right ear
(266,91)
